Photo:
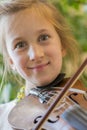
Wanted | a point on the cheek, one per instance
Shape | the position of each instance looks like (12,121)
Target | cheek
(55,55)
(55,52)
(19,61)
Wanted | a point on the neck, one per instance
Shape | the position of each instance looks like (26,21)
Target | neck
(29,86)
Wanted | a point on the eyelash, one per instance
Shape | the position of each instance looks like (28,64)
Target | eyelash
(20,45)
(43,37)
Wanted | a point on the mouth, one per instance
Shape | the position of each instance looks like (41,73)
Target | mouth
(39,66)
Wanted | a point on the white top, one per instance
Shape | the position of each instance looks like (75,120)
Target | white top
(4,111)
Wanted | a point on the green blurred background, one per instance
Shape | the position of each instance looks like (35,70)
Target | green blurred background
(75,12)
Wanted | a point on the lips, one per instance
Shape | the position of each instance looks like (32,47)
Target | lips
(39,66)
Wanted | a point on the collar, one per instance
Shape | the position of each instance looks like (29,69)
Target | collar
(45,92)
(56,82)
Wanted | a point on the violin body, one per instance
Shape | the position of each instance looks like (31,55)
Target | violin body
(28,112)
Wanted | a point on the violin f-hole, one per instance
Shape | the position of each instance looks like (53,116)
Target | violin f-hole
(71,97)
(49,120)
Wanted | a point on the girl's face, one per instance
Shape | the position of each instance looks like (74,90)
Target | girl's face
(34,47)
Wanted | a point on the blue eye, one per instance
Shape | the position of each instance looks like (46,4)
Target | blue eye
(43,37)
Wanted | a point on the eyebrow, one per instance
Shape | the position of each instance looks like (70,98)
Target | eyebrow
(38,31)
(17,39)
(42,30)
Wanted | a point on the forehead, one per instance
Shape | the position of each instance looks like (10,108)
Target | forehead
(25,20)
(23,16)
(25,23)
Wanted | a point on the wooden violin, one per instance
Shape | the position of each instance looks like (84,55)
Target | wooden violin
(67,112)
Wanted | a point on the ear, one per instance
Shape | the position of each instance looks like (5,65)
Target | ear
(63,52)
(12,64)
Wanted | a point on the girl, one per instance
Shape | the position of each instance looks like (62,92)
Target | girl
(35,41)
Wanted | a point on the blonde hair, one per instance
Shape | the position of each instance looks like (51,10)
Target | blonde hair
(49,11)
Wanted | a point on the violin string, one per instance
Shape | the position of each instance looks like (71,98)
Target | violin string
(67,103)
(53,94)
(48,95)
(51,97)
(63,103)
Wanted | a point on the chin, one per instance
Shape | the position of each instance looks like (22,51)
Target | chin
(45,82)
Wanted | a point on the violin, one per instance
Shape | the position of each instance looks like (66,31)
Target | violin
(66,109)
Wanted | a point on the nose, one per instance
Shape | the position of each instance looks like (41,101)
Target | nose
(35,52)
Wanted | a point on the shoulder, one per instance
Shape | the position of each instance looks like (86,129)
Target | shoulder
(4,111)
(5,108)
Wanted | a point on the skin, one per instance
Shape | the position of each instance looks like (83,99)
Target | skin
(34,47)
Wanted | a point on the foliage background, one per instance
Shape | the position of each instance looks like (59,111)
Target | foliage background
(75,12)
